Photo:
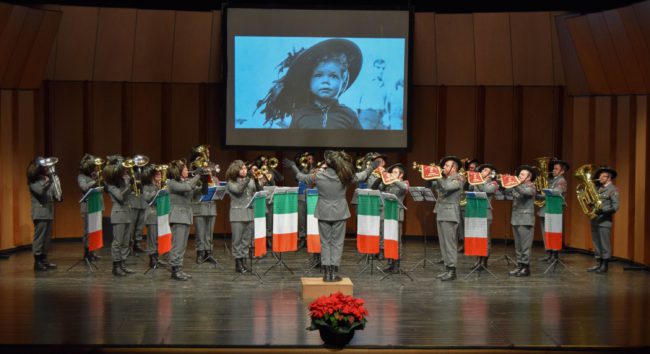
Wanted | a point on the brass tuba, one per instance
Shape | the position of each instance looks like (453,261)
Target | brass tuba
(541,182)
(586,191)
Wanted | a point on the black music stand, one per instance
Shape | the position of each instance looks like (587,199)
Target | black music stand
(369,258)
(278,191)
(90,266)
(214,194)
(480,267)
(251,204)
(422,194)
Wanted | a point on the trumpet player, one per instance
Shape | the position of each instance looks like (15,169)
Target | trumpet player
(558,185)
(138,205)
(151,184)
(601,225)
(398,187)
(86,180)
(489,186)
(41,187)
(469,165)
(305,163)
(447,211)
(523,218)
(205,212)
(118,187)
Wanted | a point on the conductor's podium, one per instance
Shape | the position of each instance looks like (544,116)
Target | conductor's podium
(312,288)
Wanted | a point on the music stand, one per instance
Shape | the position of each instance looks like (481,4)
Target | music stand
(556,260)
(90,266)
(250,205)
(422,194)
(390,196)
(501,196)
(278,191)
(369,258)
(214,193)
(480,267)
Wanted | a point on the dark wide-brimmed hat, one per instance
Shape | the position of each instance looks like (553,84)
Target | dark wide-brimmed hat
(533,171)
(486,165)
(471,161)
(601,169)
(397,165)
(375,155)
(565,165)
(444,160)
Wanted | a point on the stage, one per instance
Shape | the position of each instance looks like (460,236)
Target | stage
(557,311)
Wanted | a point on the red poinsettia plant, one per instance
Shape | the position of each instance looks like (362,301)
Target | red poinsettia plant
(341,313)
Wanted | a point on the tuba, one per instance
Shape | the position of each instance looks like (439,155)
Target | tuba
(541,182)
(586,191)
(49,163)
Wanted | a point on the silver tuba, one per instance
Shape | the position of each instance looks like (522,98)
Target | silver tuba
(49,163)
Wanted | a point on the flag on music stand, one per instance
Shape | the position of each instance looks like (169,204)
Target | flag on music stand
(391,229)
(313,237)
(164,231)
(259,211)
(476,228)
(95,234)
(553,222)
(368,223)
(285,221)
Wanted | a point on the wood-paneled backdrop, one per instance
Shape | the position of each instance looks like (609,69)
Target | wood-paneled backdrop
(498,86)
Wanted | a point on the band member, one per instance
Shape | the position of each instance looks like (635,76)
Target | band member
(398,188)
(305,163)
(241,187)
(118,187)
(205,212)
(42,189)
(87,179)
(523,218)
(181,189)
(373,181)
(559,186)
(489,186)
(332,208)
(262,180)
(470,165)
(138,206)
(151,180)
(447,209)
(601,225)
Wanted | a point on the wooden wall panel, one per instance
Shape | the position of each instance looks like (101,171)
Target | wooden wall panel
(192,37)
(574,75)
(642,12)
(578,232)
(9,35)
(460,122)
(75,55)
(607,53)
(39,55)
(184,119)
(216,49)
(115,45)
(532,54)
(641,47)
(424,49)
(454,40)
(147,113)
(154,40)
(602,131)
(588,54)
(558,67)
(493,52)
(5,13)
(537,125)
(641,210)
(6,158)
(106,119)
(22,48)
(625,52)
(624,231)
(24,152)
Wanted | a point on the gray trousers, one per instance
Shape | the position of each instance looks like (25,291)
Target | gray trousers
(302,218)
(523,242)
(42,236)
(152,239)
(204,225)
(332,235)
(242,232)
(120,243)
(601,237)
(138,223)
(447,232)
(180,233)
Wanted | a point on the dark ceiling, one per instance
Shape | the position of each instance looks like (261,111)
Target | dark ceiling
(447,6)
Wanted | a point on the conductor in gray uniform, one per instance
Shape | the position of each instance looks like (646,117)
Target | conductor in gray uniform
(181,189)
(332,207)
(86,180)
(489,187)
(601,225)
(398,187)
(42,195)
(559,186)
(241,188)
(523,218)
(447,211)
(118,187)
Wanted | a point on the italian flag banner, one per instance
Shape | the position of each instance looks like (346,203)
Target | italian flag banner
(259,211)
(368,223)
(313,237)
(95,205)
(553,222)
(285,220)
(391,229)
(164,231)
(476,227)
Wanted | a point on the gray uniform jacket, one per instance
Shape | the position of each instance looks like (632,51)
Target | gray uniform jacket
(609,196)
(150,215)
(399,189)
(203,208)
(120,211)
(332,204)
(523,204)
(489,187)
(241,192)
(180,198)
(308,185)
(449,192)
(136,202)
(85,183)
(559,186)
(42,200)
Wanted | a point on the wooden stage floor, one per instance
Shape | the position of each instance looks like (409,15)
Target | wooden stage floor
(560,310)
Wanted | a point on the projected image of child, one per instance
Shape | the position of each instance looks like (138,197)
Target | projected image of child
(315,79)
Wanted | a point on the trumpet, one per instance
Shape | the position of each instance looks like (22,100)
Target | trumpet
(303,161)
(49,163)
(428,172)
(99,166)
(360,165)
(163,175)
(509,182)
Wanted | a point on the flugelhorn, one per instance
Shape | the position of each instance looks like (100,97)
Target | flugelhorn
(49,163)
(99,167)
(163,175)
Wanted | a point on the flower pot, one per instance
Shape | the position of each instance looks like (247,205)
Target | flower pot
(334,339)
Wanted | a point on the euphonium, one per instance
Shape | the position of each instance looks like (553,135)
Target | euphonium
(586,191)
(129,164)
(541,182)
(49,163)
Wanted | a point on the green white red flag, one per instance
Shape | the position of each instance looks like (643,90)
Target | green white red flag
(368,223)
(285,221)
(553,222)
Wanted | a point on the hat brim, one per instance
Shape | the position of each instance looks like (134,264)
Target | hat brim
(485,165)
(611,171)
(444,160)
(564,164)
(397,165)
(533,171)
